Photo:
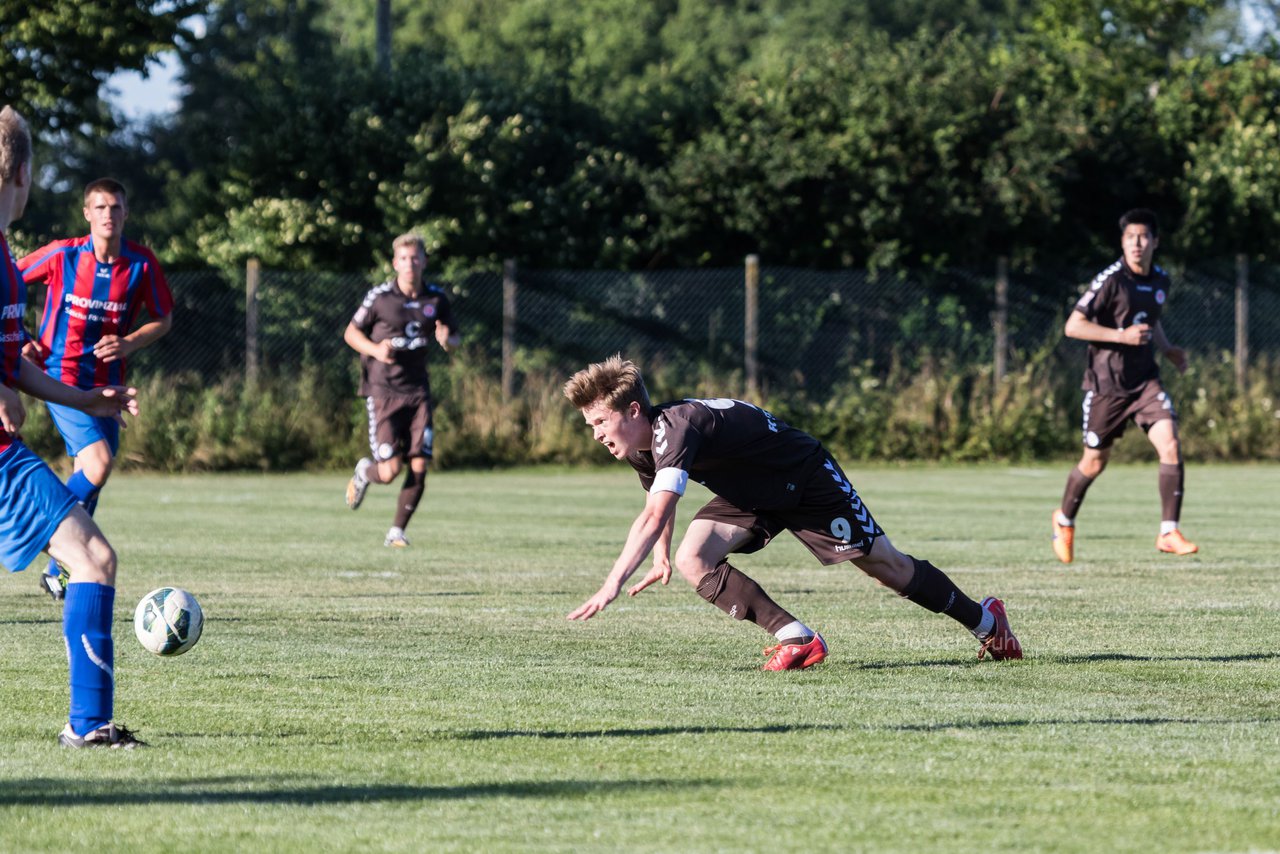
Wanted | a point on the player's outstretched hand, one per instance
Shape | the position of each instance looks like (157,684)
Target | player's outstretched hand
(594,605)
(660,572)
(12,413)
(112,401)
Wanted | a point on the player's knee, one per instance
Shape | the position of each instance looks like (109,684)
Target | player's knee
(692,567)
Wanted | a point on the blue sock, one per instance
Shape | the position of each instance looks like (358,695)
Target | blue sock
(83,489)
(86,626)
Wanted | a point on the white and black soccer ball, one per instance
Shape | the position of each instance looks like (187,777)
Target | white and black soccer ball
(168,621)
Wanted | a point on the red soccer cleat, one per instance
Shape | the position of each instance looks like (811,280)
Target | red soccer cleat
(796,656)
(1175,544)
(1001,643)
(1064,539)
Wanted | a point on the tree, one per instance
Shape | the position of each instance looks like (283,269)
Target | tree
(55,54)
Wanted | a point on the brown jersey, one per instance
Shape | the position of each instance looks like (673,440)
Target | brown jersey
(737,450)
(410,323)
(1117,299)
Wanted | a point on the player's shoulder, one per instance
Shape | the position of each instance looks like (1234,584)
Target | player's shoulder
(66,244)
(1108,274)
(378,291)
(137,251)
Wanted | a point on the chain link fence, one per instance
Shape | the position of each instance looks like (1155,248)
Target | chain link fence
(814,327)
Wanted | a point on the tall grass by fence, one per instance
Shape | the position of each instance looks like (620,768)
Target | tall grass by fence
(880,366)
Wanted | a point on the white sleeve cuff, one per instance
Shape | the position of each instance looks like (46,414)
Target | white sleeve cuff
(670,480)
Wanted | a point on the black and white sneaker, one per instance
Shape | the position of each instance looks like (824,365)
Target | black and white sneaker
(107,735)
(54,585)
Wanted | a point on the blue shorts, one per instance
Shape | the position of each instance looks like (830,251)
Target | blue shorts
(33,503)
(80,430)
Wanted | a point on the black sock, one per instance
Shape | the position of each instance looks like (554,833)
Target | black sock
(930,588)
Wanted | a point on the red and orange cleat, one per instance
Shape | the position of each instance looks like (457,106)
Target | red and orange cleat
(796,656)
(1001,643)
(1175,544)
(1064,540)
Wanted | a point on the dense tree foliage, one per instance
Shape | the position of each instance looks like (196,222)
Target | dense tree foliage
(634,133)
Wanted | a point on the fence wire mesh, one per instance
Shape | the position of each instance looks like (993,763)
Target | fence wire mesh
(814,326)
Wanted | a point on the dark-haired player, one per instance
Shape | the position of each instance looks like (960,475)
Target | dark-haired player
(1119,315)
(37,512)
(96,286)
(392,331)
(767,477)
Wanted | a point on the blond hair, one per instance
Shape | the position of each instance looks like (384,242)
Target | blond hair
(15,143)
(616,382)
(105,185)
(410,239)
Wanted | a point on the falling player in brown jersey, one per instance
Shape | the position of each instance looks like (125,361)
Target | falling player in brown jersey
(1119,315)
(767,477)
(392,331)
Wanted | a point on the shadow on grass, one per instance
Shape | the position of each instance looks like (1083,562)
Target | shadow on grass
(931,727)
(484,735)
(53,792)
(1088,658)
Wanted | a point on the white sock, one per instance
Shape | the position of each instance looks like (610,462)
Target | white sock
(1168,527)
(1065,522)
(794,629)
(395,533)
(362,468)
(985,625)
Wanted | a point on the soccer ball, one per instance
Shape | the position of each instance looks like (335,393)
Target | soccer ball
(168,621)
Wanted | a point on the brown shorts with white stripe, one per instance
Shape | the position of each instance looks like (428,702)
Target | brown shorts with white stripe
(400,427)
(830,519)
(1107,416)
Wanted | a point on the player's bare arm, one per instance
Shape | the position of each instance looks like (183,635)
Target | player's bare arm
(12,413)
(363,344)
(1083,329)
(113,347)
(1176,355)
(104,402)
(659,512)
(661,570)
(446,337)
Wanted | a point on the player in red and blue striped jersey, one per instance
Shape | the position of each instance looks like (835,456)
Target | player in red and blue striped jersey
(37,512)
(96,288)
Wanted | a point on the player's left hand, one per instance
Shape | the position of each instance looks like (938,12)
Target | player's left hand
(112,401)
(111,348)
(594,605)
(1178,358)
(660,572)
(12,412)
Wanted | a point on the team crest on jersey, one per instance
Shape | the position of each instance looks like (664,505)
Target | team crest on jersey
(429,310)
(1160,297)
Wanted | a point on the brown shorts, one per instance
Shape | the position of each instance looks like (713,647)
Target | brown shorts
(400,426)
(1106,416)
(830,519)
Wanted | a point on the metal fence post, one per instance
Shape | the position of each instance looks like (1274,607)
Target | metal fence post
(252,272)
(508,330)
(1242,323)
(1001,318)
(751,330)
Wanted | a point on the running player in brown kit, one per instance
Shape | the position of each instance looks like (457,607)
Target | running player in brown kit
(392,331)
(1120,318)
(767,477)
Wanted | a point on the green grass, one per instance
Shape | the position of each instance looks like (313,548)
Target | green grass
(345,697)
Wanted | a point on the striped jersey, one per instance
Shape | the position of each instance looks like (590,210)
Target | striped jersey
(88,300)
(13,304)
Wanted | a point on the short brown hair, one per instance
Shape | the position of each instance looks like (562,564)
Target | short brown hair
(616,382)
(15,143)
(105,185)
(409,239)
(1141,216)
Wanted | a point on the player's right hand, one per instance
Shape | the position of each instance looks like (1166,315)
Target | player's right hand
(1139,333)
(594,605)
(12,413)
(385,352)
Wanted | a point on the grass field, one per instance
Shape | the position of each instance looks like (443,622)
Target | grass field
(349,698)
